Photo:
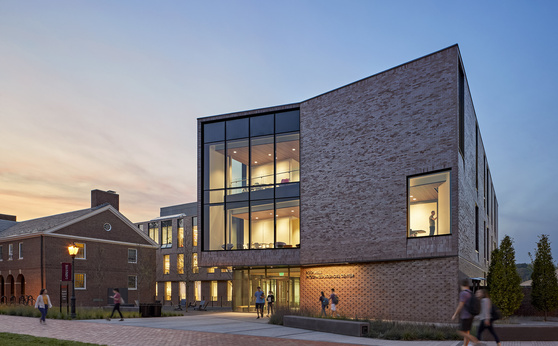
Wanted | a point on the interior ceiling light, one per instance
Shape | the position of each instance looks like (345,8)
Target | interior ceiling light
(414,199)
(234,152)
(255,161)
(294,149)
(268,154)
(411,196)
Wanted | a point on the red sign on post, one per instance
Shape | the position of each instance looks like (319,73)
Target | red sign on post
(66,272)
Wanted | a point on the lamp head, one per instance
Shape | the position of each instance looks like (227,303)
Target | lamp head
(73,250)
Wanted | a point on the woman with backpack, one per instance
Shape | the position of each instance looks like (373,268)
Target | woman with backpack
(325,303)
(486,315)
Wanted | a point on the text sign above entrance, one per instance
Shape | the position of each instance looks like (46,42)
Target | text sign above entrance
(319,275)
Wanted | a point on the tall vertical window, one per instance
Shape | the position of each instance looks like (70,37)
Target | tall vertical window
(132,282)
(166,234)
(429,205)
(214,291)
(477,157)
(182,290)
(180,233)
(20,250)
(132,256)
(10,252)
(477,228)
(1,253)
(251,182)
(180,263)
(166,264)
(461,101)
(195,231)
(195,268)
(168,290)
(81,250)
(80,281)
(229,290)
(153,230)
(197,290)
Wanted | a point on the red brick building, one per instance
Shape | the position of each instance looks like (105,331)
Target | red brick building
(113,253)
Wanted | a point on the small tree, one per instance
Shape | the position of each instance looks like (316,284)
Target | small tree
(544,294)
(503,280)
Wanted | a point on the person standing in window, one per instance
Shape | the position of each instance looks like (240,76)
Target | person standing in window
(270,301)
(117,301)
(432,220)
(260,301)
(43,303)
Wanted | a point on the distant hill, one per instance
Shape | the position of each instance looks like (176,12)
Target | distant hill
(524,270)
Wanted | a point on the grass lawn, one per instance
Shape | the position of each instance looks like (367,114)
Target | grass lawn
(23,340)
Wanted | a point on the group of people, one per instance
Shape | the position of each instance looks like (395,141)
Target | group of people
(331,302)
(261,300)
(466,317)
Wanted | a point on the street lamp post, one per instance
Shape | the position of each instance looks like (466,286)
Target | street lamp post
(73,250)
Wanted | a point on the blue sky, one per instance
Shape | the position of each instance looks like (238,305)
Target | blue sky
(105,94)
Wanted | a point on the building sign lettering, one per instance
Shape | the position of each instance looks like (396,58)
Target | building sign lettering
(318,275)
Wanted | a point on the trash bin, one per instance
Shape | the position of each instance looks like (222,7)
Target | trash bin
(150,310)
(144,310)
(157,310)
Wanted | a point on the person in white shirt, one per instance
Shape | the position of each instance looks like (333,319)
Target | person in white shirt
(43,303)
(486,318)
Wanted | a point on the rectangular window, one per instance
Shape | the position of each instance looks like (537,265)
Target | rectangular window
(229,290)
(180,233)
(20,250)
(214,220)
(477,157)
(477,228)
(226,270)
(180,263)
(261,224)
(141,227)
(195,231)
(429,205)
(81,254)
(211,270)
(195,268)
(168,290)
(182,290)
(1,253)
(10,252)
(166,234)
(153,230)
(197,290)
(213,291)
(461,101)
(166,261)
(132,256)
(156,289)
(132,282)
(80,281)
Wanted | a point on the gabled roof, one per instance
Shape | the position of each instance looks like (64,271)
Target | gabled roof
(5,224)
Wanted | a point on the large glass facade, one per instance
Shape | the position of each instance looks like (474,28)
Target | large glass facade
(429,205)
(251,183)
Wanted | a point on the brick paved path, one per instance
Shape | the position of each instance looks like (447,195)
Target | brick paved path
(114,334)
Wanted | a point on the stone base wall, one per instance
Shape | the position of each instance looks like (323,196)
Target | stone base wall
(419,290)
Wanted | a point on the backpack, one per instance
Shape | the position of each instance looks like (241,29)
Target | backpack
(335,299)
(325,301)
(473,305)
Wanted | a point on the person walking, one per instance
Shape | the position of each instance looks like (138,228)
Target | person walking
(270,301)
(117,301)
(43,303)
(465,318)
(334,299)
(325,303)
(260,301)
(486,318)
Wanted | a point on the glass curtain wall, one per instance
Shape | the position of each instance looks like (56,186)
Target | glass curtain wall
(251,183)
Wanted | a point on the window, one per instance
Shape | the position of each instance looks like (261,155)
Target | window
(168,290)
(180,233)
(153,230)
(213,291)
(251,183)
(195,231)
(141,226)
(211,270)
(429,205)
(156,289)
(1,253)
(166,231)
(229,290)
(10,252)
(197,290)
(195,268)
(182,290)
(166,264)
(461,102)
(477,228)
(180,263)
(226,270)
(80,281)
(20,250)
(132,282)
(132,256)
(81,250)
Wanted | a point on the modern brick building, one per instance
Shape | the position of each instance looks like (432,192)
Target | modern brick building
(379,189)
(113,253)
(178,275)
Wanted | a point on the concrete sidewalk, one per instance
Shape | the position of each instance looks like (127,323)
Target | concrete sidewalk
(199,328)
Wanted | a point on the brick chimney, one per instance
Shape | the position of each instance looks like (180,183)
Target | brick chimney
(99,197)
(8,217)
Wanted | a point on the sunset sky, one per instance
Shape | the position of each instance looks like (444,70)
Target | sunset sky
(105,94)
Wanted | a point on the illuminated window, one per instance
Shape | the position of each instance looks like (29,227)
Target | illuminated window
(166,231)
(226,270)
(182,289)
(213,291)
(197,290)
(180,263)
(194,231)
(156,289)
(153,230)
(429,205)
(168,290)
(211,270)
(79,281)
(166,261)
(132,282)
(180,233)
(81,250)
(132,255)
(229,290)
(195,268)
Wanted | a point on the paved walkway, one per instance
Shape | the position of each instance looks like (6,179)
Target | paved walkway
(203,328)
